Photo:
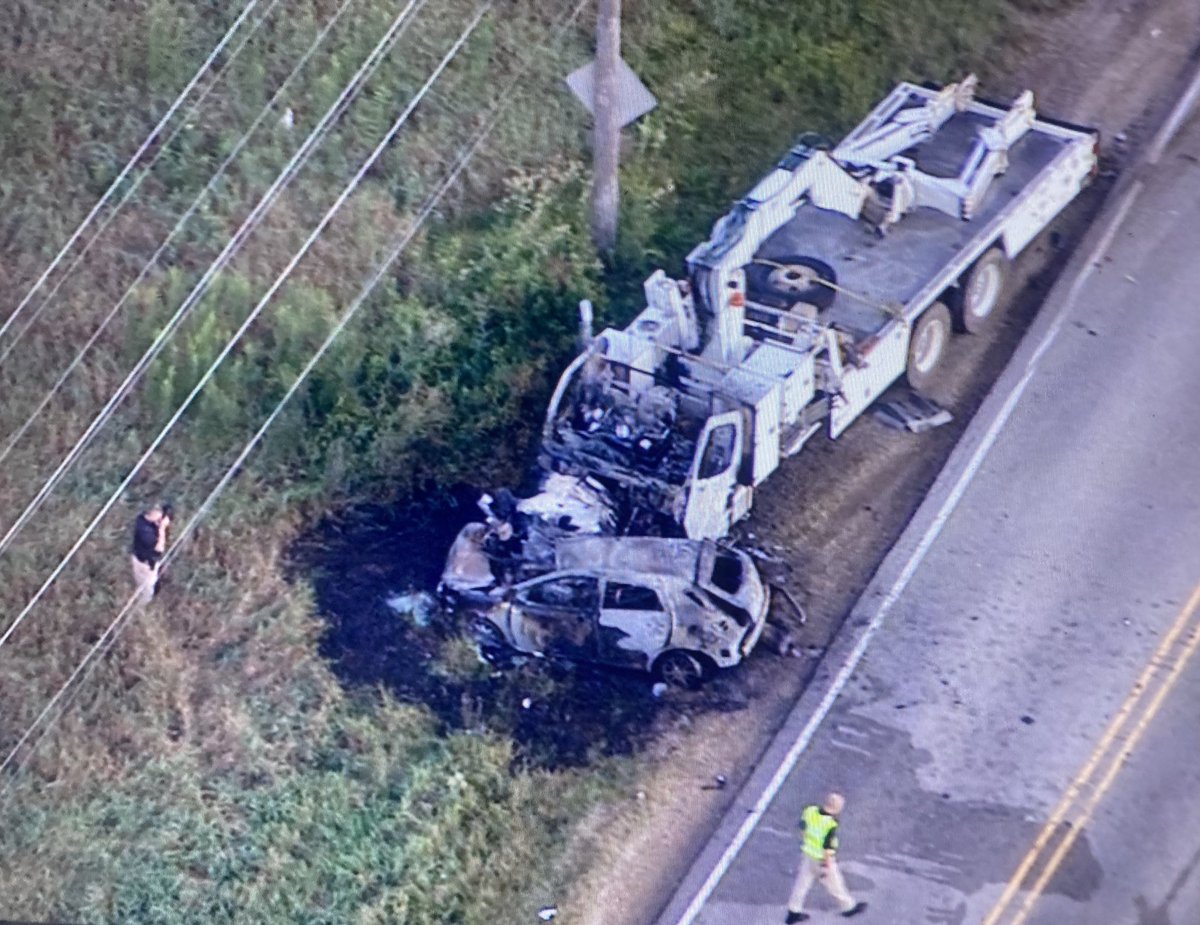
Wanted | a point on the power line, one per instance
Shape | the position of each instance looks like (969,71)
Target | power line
(245,326)
(130,165)
(161,149)
(398,27)
(15,437)
(108,637)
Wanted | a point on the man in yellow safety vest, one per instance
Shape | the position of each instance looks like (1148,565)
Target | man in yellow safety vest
(819,861)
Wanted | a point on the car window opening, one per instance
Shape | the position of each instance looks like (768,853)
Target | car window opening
(727,573)
(618,596)
(570,593)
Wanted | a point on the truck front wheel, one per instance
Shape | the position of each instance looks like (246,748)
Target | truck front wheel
(927,347)
(980,292)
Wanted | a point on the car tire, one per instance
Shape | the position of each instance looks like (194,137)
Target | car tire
(785,281)
(682,669)
(927,347)
(980,293)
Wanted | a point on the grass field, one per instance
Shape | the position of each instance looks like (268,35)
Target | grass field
(214,768)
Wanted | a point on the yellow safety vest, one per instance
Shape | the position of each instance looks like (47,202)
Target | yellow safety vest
(817,826)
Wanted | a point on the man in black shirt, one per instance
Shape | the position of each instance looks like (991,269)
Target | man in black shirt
(149,543)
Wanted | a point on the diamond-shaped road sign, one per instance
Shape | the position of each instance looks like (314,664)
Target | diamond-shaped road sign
(633,99)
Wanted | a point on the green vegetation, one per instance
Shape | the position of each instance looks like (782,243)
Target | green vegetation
(213,769)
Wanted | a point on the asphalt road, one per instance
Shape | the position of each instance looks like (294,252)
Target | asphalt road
(1027,711)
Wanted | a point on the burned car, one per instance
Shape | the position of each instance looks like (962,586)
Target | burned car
(675,607)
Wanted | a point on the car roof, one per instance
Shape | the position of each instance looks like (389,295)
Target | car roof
(627,556)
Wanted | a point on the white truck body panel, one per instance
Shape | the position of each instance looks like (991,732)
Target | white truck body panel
(885,363)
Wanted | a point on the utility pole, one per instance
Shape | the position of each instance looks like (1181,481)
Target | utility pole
(606,142)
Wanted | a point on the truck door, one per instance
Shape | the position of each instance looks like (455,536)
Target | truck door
(714,477)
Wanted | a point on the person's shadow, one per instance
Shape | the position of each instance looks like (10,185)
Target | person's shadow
(1160,914)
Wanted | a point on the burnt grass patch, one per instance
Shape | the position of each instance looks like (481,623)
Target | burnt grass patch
(558,714)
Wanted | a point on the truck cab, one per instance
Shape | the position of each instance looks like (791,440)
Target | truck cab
(675,438)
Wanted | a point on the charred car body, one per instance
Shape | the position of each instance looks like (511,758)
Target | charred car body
(675,607)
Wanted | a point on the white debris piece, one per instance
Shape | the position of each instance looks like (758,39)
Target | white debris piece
(577,500)
(420,605)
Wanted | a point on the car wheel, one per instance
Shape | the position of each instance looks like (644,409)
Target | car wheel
(784,281)
(686,670)
(927,347)
(980,292)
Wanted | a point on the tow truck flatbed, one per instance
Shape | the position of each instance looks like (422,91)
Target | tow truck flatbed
(931,249)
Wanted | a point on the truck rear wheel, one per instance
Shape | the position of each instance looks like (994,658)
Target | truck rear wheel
(980,292)
(927,346)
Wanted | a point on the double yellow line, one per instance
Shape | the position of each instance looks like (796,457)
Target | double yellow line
(1113,748)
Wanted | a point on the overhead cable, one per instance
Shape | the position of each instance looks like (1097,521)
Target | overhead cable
(133,161)
(15,437)
(245,326)
(87,665)
(374,59)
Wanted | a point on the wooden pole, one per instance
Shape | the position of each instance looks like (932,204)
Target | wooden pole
(607,133)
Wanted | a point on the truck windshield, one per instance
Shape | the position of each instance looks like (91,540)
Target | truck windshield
(718,452)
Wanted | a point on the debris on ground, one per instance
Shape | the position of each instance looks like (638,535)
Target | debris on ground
(548,913)
(914,413)
(718,783)
(801,615)
(420,605)
(658,689)
(763,556)
(780,640)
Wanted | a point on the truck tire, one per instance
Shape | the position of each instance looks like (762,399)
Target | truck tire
(927,347)
(784,281)
(683,669)
(980,293)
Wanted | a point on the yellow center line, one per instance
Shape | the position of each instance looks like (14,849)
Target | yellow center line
(1103,745)
(1118,762)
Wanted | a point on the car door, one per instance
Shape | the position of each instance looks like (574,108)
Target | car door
(556,616)
(714,477)
(634,625)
